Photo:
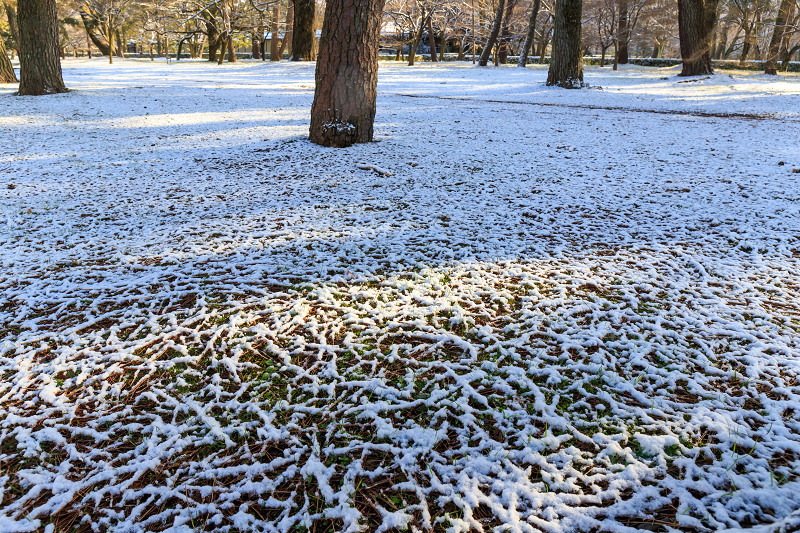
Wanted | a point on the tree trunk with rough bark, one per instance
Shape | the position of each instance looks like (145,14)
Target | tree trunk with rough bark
(343,112)
(566,61)
(498,22)
(39,65)
(7,74)
(213,38)
(775,43)
(529,37)
(623,32)
(231,50)
(274,43)
(696,20)
(286,44)
(303,31)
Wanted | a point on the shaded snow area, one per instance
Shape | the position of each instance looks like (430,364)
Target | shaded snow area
(576,312)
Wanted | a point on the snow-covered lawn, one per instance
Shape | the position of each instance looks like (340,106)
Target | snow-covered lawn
(579,311)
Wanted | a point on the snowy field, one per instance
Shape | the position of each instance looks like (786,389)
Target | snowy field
(539,310)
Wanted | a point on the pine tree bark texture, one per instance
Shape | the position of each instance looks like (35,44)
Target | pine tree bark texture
(566,61)
(529,37)
(7,74)
(498,22)
(343,111)
(39,64)
(773,55)
(303,31)
(624,34)
(696,20)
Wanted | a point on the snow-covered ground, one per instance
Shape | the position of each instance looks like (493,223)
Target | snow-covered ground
(543,310)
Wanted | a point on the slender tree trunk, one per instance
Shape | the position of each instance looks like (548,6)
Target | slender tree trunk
(566,62)
(498,22)
(110,39)
(255,46)
(529,37)
(623,32)
(505,33)
(40,67)
(7,74)
(746,44)
(225,34)
(231,50)
(347,73)
(412,51)
(274,48)
(262,52)
(696,20)
(775,43)
(288,34)
(432,41)
(120,45)
(91,27)
(303,35)
(12,24)
(213,45)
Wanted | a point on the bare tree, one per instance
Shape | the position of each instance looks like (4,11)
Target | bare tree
(498,21)
(530,35)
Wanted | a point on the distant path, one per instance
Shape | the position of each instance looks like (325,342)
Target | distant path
(748,116)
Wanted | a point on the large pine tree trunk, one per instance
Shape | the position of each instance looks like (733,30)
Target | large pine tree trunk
(303,31)
(498,22)
(696,20)
(624,34)
(529,37)
(775,43)
(566,62)
(6,69)
(347,73)
(40,67)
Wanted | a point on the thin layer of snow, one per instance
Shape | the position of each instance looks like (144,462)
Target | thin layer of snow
(557,315)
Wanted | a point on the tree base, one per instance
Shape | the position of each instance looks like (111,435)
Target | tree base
(40,91)
(336,135)
(569,83)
